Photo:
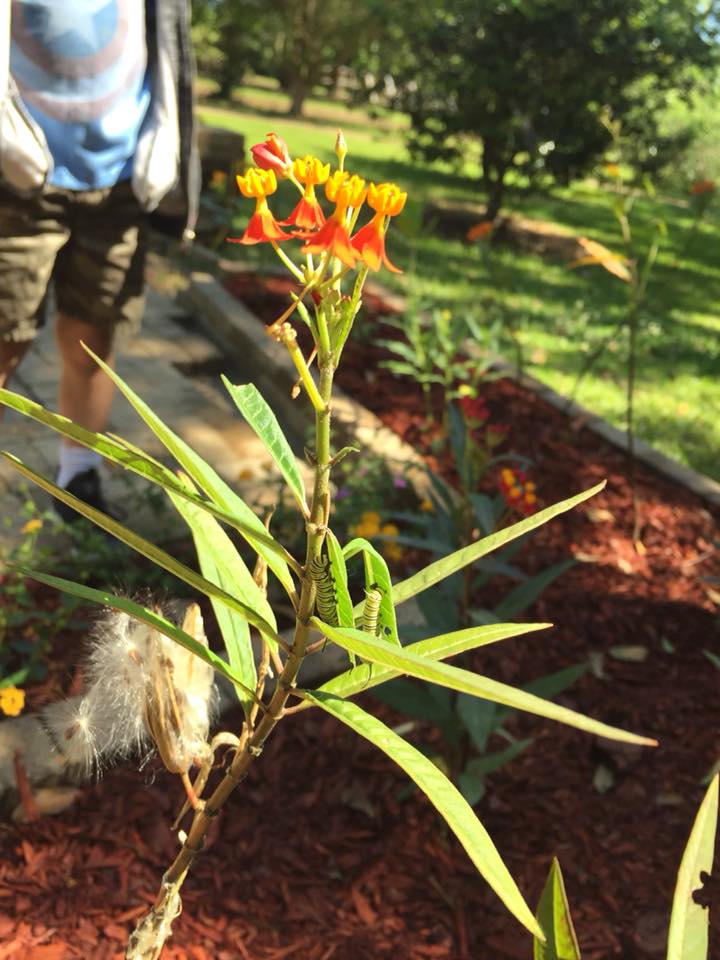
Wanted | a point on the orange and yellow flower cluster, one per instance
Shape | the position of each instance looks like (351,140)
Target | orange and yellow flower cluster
(518,491)
(331,234)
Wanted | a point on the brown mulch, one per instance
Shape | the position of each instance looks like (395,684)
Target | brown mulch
(331,856)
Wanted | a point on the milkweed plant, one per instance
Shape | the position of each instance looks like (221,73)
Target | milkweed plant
(157,668)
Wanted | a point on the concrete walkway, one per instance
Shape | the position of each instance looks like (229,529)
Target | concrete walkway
(177,372)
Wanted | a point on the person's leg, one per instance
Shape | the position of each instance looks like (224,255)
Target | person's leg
(86,391)
(99,286)
(11,354)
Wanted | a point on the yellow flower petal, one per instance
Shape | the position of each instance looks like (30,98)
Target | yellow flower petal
(12,701)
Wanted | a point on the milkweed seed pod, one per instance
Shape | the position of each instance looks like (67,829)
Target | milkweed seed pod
(143,689)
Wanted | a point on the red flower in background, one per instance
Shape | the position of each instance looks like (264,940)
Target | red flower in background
(474,408)
(518,492)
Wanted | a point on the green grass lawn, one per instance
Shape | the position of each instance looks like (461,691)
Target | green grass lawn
(560,317)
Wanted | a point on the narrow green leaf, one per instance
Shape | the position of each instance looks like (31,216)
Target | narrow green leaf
(690,922)
(124,454)
(445,797)
(554,917)
(377,573)
(205,477)
(405,661)
(252,405)
(143,546)
(338,571)
(526,593)
(368,675)
(440,569)
(484,766)
(220,563)
(138,612)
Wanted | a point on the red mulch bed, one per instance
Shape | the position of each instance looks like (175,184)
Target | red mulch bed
(333,858)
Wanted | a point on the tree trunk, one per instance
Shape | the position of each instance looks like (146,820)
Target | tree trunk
(298,94)
(494,169)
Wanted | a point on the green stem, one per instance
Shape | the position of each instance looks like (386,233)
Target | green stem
(156,926)
(292,267)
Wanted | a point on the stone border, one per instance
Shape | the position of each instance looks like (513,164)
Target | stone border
(698,483)
(228,321)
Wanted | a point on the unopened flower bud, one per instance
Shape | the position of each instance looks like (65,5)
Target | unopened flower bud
(340,148)
(272,154)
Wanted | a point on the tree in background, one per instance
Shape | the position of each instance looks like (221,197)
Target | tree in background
(302,43)
(523,82)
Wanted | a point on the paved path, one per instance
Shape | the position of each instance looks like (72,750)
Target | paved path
(177,372)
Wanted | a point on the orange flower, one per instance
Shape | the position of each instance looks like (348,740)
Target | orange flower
(308,213)
(344,191)
(479,231)
(263,227)
(273,154)
(702,186)
(387,200)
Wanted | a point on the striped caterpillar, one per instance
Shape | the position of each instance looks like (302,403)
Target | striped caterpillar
(371,609)
(325,599)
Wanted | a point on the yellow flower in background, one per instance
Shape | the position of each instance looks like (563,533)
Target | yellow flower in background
(389,549)
(369,525)
(218,180)
(32,526)
(12,701)
(612,170)
(426,506)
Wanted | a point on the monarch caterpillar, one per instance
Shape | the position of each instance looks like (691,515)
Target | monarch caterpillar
(325,590)
(371,610)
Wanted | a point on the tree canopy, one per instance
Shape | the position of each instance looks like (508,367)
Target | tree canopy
(528,79)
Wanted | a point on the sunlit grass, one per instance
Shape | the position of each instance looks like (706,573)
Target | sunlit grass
(559,316)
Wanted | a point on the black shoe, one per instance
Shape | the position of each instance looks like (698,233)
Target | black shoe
(86,487)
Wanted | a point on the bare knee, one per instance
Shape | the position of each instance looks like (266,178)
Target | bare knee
(72,334)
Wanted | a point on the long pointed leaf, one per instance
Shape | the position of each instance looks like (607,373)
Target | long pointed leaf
(127,455)
(368,675)
(137,612)
(378,575)
(553,915)
(338,571)
(402,659)
(445,797)
(253,406)
(440,569)
(204,476)
(222,564)
(689,923)
(143,546)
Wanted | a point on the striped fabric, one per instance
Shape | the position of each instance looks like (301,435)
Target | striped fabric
(80,67)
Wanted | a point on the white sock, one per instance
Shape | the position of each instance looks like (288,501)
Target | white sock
(74,460)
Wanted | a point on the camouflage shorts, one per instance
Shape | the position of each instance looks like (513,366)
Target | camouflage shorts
(90,244)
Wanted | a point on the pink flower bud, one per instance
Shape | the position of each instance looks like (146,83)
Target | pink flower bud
(273,154)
